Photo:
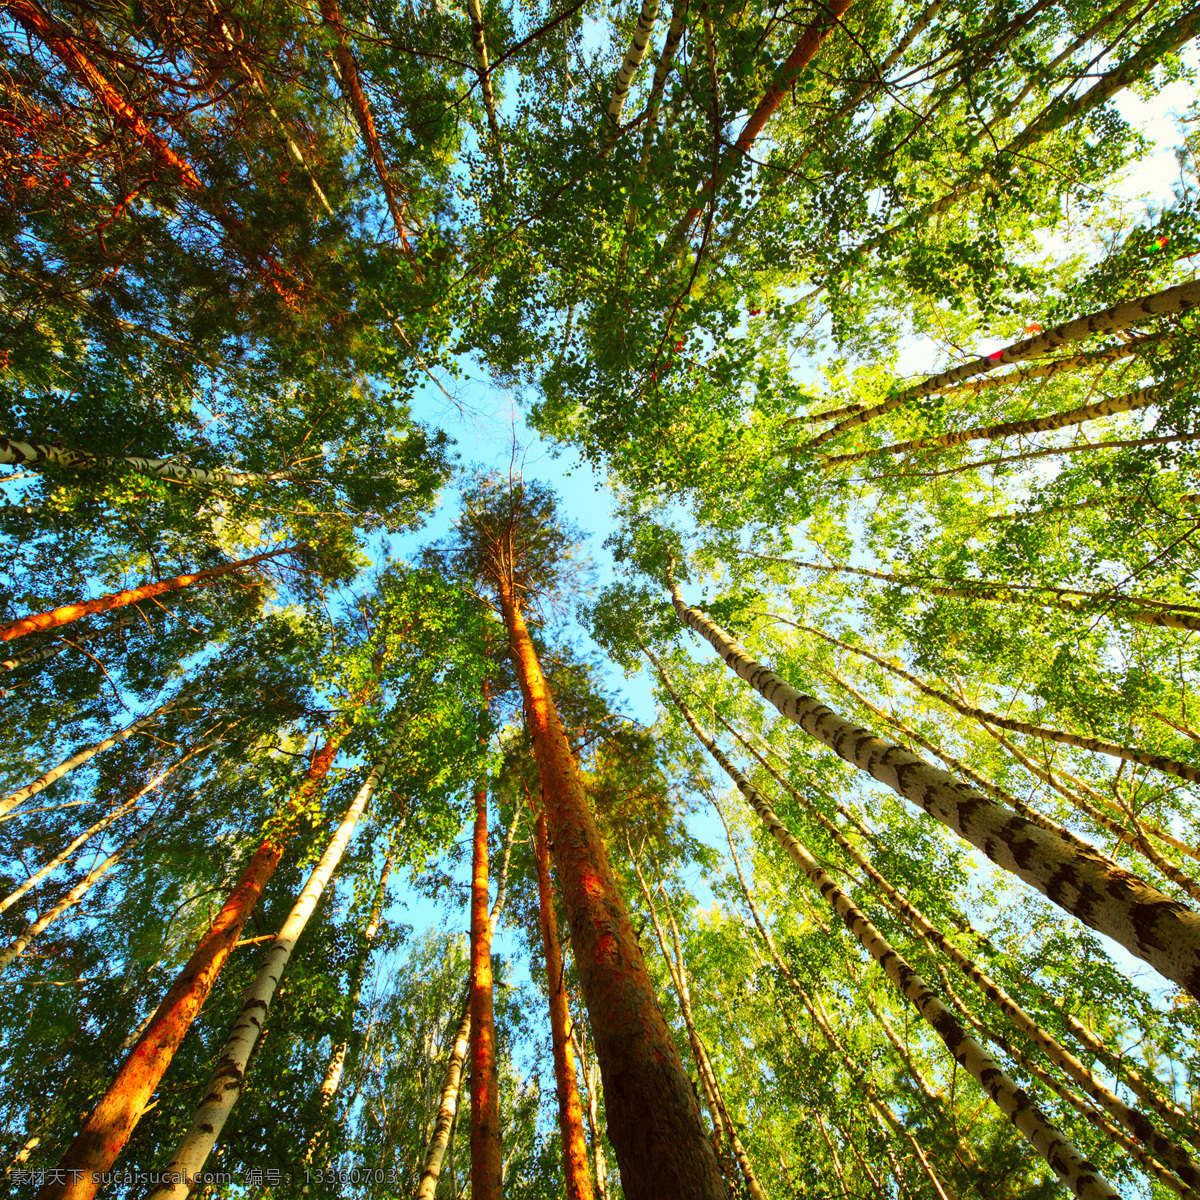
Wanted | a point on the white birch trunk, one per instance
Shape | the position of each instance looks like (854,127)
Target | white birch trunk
(38,454)
(629,68)
(99,827)
(54,648)
(226,1084)
(1176,299)
(1157,929)
(21,943)
(1080,1175)
(80,757)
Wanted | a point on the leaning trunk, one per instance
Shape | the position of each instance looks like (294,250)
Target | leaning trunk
(42,782)
(112,1120)
(1080,1175)
(72,612)
(226,1084)
(1154,927)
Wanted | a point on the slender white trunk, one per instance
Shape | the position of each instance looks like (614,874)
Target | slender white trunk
(54,648)
(1072,1168)
(38,454)
(226,1084)
(99,827)
(19,945)
(629,68)
(80,757)
(1156,928)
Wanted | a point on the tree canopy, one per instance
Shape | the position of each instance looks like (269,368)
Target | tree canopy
(835,822)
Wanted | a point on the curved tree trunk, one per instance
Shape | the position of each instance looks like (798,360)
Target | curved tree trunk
(1157,929)
(72,612)
(52,649)
(629,68)
(1142,611)
(21,943)
(360,106)
(653,1119)
(805,50)
(1080,1175)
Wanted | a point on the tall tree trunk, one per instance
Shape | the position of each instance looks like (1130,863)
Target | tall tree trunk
(997,793)
(1176,299)
(1137,1122)
(1094,1117)
(675,968)
(21,943)
(1157,929)
(1080,415)
(1143,611)
(108,1127)
(360,106)
(72,612)
(1146,758)
(52,649)
(447,1114)
(13,799)
(629,68)
(591,1077)
(229,1076)
(805,50)
(653,1120)
(570,1109)
(39,454)
(486,1156)
(109,819)
(1067,1163)
(484,72)
(342,1051)
(64,47)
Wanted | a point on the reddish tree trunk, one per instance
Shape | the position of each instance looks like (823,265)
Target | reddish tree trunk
(486,1160)
(802,54)
(72,612)
(60,42)
(110,1123)
(653,1118)
(570,1108)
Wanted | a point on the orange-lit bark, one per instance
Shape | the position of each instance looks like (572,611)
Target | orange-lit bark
(40,622)
(653,1118)
(63,45)
(570,1108)
(110,1123)
(352,86)
(802,54)
(486,1160)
